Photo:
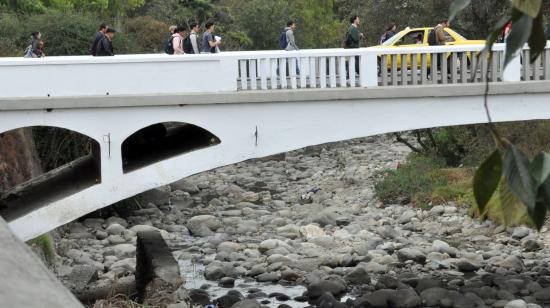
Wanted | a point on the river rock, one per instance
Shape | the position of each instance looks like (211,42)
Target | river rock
(520,232)
(121,251)
(311,231)
(248,303)
(358,276)
(406,217)
(413,254)
(203,225)
(432,297)
(115,229)
(519,303)
(316,290)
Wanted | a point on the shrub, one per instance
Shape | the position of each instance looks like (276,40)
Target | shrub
(411,182)
(146,35)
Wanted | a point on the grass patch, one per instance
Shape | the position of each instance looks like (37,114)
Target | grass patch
(425,181)
(45,244)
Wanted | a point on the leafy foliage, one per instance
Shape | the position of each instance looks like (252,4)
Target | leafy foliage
(524,180)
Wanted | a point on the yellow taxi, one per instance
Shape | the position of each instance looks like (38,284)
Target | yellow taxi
(418,37)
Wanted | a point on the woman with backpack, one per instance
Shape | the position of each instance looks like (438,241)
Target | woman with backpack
(36,47)
(390,31)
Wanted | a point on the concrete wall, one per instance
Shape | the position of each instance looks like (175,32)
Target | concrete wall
(296,121)
(25,281)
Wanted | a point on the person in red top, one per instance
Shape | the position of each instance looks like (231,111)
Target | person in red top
(506,32)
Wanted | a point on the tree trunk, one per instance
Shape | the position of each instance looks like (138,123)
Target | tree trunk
(19,161)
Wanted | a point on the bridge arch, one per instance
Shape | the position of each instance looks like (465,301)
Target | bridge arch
(69,164)
(160,141)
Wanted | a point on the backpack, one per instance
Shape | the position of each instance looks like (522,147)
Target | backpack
(348,40)
(187,45)
(432,41)
(169,46)
(29,52)
(283,43)
(383,38)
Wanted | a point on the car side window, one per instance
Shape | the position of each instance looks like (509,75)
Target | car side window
(413,37)
(450,39)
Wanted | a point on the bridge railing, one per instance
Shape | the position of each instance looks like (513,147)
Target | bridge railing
(82,76)
(372,67)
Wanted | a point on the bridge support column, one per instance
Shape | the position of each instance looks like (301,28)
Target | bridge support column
(512,72)
(111,158)
(368,68)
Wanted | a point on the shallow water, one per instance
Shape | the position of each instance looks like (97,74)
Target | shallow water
(194,279)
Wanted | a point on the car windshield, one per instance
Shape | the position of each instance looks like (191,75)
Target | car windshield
(460,36)
(393,39)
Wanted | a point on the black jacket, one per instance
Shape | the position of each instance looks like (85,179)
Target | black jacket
(98,37)
(104,47)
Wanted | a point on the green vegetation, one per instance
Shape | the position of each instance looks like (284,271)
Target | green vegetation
(69,25)
(45,244)
(441,168)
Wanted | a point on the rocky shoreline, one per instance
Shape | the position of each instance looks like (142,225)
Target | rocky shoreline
(309,219)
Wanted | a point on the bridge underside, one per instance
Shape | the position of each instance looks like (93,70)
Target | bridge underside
(251,129)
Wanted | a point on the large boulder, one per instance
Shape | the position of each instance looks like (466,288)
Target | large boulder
(203,225)
(316,290)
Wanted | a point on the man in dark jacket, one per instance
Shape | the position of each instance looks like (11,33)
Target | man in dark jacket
(98,37)
(353,40)
(547,32)
(105,46)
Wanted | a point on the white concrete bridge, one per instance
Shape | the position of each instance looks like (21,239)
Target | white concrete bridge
(230,107)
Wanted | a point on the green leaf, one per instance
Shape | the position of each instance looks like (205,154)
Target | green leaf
(538,216)
(543,194)
(540,168)
(493,36)
(486,179)
(519,35)
(537,40)
(511,207)
(456,7)
(528,7)
(516,172)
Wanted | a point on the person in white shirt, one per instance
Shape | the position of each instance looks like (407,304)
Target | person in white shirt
(194,37)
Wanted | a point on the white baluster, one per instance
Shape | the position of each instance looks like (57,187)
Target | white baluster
(424,68)
(312,73)
(414,68)
(264,64)
(494,67)
(474,69)
(384,69)
(332,72)
(304,63)
(433,68)
(454,73)
(464,67)
(351,70)
(323,72)
(252,67)
(282,73)
(484,66)
(244,75)
(342,71)
(526,65)
(404,70)
(536,68)
(293,72)
(547,64)
(274,78)
(444,70)
(394,68)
